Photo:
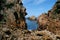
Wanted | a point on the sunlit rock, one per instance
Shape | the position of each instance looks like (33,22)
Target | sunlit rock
(32,18)
(51,20)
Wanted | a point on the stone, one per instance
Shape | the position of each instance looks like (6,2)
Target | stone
(7,36)
(32,18)
(50,20)
(12,21)
(14,13)
(5,29)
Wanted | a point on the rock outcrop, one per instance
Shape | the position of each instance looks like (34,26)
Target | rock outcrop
(12,14)
(33,18)
(51,20)
(12,19)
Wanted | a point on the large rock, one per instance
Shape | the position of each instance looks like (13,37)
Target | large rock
(13,13)
(51,20)
(42,21)
(12,19)
(33,18)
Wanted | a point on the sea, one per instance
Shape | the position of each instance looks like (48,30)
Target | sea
(31,25)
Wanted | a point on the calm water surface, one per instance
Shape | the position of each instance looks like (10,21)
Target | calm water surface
(32,25)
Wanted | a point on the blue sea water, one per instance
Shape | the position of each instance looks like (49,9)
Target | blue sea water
(32,25)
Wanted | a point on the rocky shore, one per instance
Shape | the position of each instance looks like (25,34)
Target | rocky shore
(13,23)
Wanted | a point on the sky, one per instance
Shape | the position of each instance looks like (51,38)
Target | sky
(37,7)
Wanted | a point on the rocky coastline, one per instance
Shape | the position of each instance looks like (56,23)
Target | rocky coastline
(13,23)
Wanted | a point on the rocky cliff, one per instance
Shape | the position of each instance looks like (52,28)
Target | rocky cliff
(12,14)
(13,24)
(51,20)
(12,17)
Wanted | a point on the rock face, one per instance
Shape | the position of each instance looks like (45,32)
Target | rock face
(12,19)
(12,13)
(51,20)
